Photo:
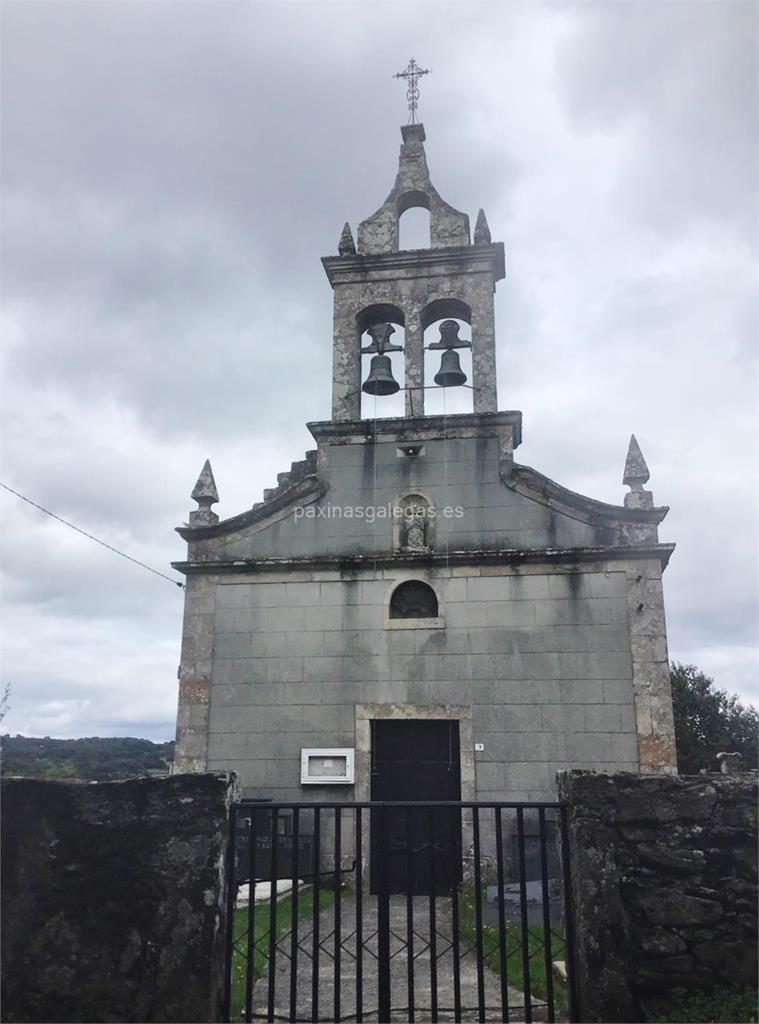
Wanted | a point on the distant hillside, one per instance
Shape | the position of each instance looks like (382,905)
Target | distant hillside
(96,758)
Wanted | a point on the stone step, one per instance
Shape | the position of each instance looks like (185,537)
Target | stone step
(298,471)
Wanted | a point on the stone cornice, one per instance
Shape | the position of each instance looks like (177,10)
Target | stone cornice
(532,484)
(417,428)
(500,556)
(418,262)
(304,492)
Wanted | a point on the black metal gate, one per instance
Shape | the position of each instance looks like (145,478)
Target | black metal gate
(315,942)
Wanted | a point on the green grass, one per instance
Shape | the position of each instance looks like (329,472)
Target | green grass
(468,933)
(514,967)
(728,1003)
(261,933)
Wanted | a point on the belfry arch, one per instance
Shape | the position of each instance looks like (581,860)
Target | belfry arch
(447,352)
(414,223)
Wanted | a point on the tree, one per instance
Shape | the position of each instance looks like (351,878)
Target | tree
(5,701)
(93,757)
(708,720)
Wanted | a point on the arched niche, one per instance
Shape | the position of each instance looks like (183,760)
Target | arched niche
(382,313)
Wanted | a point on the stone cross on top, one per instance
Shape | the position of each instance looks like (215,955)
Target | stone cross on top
(412,74)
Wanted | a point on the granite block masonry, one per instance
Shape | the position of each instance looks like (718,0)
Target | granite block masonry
(664,878)
(113,899)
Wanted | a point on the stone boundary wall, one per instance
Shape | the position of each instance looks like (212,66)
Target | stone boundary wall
(113,899)
(664,873)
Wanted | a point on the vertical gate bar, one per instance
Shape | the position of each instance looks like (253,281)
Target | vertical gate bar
(409,918)
(226,1006)
(383,920)
(569,925)
(251,949)
(478,913)
(501,915)
(546,913)
(273,915)
(455,926)
(359,921)
(523,916)
(433,922)
(315,918)
(338,933)
(294,920)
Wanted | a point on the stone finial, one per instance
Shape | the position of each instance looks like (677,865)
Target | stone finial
(635,475)
(481,230)
(346,246)
(636,471)
(205,493)
(729,763)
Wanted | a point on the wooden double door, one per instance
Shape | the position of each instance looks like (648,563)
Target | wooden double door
(416,848)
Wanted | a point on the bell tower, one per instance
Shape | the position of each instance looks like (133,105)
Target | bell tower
(378,286)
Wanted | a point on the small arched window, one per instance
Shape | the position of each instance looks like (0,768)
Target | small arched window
(413,600)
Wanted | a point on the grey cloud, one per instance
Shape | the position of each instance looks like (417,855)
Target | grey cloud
(681,80)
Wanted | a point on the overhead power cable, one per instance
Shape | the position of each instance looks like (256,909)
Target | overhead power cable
(89,536)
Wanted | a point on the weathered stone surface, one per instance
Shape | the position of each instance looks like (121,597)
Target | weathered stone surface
(635,475)
(113,899)
(482,230)
(346,245)
(413,288)
(412,187)
(664,886)
(660,942)
(732,962)
(206,494)
(682,861)
(636,470)
(675,909)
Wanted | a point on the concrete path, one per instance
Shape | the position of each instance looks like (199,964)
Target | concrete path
(422,969)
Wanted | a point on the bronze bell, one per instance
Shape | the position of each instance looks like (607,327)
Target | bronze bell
(450,374)
(380,380)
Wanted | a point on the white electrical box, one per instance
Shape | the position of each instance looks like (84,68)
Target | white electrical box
(327,766)
(479,747)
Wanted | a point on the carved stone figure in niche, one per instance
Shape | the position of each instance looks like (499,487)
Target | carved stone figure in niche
(415,536)
(415,524)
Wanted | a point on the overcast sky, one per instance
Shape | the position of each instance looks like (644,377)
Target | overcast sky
(174,171)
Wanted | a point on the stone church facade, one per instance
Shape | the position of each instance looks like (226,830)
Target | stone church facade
(410,570)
